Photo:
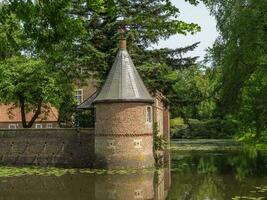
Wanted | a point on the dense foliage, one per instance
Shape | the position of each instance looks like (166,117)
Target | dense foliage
(61,37)
(238,57)
(238,103)
(70,35)
(241,53)
(33,37)
(31,85)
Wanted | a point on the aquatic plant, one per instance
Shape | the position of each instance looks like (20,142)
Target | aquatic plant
(53,171)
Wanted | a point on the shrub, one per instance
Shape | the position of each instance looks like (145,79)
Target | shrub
(208,129)
(84,119)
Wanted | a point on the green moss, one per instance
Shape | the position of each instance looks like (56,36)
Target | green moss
(21,171)
(53,171)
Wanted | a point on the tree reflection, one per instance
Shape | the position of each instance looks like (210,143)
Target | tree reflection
(217,175)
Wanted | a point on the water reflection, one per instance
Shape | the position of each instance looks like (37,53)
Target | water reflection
(219,175)
(122,185)
(84,186)
(191,176)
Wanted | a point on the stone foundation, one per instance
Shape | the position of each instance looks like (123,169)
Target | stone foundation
(124,152)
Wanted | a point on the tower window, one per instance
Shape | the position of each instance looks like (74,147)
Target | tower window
(149,114)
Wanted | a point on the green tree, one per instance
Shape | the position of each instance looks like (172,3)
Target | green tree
(10,33)
(43,35)
(70,35)
(73,34)
(32,85)
(241,52)
(146,22)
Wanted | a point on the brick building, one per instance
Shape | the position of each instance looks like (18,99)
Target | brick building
(10,118)
(124,116)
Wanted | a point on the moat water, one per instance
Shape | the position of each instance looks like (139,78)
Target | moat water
(196,171)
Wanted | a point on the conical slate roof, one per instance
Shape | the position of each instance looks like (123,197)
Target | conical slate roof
(123,83)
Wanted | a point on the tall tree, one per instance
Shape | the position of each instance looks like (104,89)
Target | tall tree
(70,35)
(241,52)
(146,22)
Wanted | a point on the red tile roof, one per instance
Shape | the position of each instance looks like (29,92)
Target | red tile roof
(9,113)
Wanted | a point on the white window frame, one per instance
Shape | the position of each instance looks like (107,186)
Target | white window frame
(40,126)
(12,126)
(49,125)
(149,116)
(75,95)
(137,143)
(138,194)
(111,144)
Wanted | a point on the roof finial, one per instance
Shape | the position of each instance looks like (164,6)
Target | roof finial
(122,43)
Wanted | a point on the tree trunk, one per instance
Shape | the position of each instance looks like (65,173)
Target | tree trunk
(23,113)
(36,114)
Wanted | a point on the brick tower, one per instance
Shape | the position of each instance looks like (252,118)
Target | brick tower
(123,126)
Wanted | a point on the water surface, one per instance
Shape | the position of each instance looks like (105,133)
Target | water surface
(193,174)
(219,175)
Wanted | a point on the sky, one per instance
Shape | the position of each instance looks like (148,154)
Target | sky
(199,15)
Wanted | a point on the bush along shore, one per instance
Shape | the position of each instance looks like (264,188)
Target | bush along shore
(228,130)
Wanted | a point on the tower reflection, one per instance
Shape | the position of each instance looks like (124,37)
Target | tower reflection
(146,184)
(84,185)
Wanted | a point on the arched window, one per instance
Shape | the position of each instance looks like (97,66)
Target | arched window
(149,114)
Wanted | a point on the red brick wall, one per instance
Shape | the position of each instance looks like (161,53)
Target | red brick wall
(122,118)
(123,137)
